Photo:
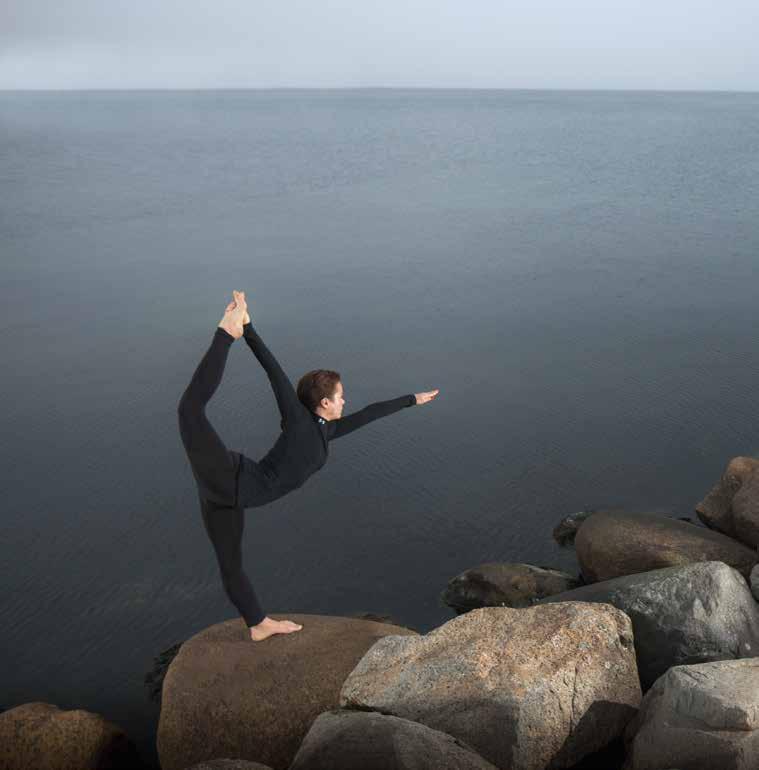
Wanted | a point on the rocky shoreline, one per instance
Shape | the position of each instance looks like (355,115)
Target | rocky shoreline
(647,659)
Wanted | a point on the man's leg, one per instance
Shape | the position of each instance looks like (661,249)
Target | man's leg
(225,527)
(211,462)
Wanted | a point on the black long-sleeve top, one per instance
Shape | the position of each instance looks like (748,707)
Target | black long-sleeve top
(302,446)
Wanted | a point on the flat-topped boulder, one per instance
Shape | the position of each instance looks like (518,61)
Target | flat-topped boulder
(348,740)
(732,505)
(504,584)
(43,736)
(689,614)
(527,689)
(703,717)
(225,696)
(609,545)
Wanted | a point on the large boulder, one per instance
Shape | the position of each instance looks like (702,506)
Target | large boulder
(609,545)
(225,696)
(680,615)
(699,717)
(41,736)
(347,740)
(732,505)
(502,584)
(526,688)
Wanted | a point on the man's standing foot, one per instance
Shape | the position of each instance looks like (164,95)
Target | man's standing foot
(268,626)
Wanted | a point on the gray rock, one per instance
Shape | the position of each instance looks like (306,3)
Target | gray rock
(347,740)
(526,688)
(500,584)
(754,582)
(609,545)
(732,505)
(703,717)
(681,615)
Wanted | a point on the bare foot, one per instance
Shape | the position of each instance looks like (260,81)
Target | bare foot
(268,626)
(233,315)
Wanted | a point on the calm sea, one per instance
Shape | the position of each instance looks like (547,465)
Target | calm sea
(574,270)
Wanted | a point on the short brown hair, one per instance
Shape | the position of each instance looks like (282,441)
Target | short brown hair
(315,385)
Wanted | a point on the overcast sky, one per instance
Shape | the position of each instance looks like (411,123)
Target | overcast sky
(648,44)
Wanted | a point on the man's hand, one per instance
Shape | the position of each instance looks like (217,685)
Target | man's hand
(423,398)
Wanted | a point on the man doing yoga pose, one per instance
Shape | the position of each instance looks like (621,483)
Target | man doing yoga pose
(229,482)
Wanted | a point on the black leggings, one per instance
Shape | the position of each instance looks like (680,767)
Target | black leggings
(215,470)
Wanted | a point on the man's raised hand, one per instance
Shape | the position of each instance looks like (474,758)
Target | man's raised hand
(423,398)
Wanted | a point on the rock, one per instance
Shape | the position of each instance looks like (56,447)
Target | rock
(732,506)
(347,740)
(229,764)
(499,584)
(154,678)
(227,696)
(754,582)
(525,688)
(380,619)
(702,717)
(565,531)
(610,757)
(611,545)
(44,737)
(680,615)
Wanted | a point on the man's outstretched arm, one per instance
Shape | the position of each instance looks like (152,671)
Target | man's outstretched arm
(344,425)
(287,398)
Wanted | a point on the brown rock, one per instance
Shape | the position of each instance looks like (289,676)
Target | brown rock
(528,688)
(732,506)
(227,696)
(565,531)
(503,584)
(41,736)
(611,545)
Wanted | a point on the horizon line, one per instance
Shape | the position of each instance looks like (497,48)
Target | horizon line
(379,88)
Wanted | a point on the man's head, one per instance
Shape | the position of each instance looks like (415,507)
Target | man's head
(321,392)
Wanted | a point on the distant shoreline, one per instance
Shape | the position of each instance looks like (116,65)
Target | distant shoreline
(391,88)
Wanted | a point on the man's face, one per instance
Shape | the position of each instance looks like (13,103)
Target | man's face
(337,403)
